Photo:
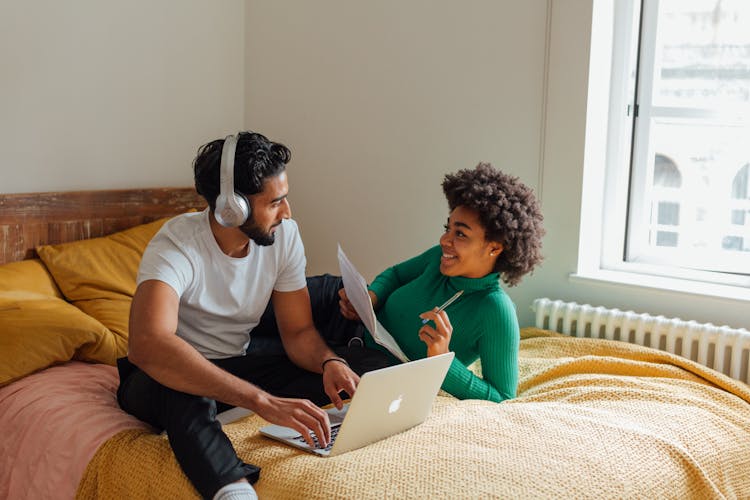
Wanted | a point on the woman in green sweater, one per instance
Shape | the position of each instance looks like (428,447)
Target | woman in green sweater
(494,231)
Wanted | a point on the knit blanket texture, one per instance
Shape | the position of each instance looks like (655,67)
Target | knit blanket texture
(593,419)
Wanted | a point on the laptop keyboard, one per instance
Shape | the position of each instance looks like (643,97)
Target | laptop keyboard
(334,433)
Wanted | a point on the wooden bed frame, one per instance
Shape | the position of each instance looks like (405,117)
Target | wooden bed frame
(31,219)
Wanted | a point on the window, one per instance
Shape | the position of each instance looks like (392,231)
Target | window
(677,155)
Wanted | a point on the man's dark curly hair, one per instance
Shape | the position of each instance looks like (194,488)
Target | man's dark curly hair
(508,212)
(255,160)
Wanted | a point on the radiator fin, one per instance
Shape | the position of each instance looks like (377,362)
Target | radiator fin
(721,348)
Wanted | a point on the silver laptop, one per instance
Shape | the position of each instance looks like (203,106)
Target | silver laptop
(387,401)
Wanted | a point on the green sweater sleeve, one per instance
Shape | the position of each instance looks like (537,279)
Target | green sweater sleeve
(498,353)
(396,276)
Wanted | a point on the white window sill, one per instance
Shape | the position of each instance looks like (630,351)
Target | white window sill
(637,280)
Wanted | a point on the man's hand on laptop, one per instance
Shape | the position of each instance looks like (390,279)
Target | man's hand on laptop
(337,377)
(299,414)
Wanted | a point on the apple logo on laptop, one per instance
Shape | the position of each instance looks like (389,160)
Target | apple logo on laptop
(395,404)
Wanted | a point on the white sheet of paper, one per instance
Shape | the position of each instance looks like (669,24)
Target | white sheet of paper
(356,289)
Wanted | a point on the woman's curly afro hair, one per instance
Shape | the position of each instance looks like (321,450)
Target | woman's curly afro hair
(508,212)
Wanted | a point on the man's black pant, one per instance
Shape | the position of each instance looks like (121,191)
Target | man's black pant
(202,449)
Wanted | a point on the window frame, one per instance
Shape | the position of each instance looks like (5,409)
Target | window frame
(610,135)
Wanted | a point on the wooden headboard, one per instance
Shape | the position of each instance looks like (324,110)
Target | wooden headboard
(31,219)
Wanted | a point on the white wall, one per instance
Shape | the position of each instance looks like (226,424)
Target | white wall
(378,100)
(115,94)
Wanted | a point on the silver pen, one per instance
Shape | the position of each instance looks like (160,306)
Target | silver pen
(446,304)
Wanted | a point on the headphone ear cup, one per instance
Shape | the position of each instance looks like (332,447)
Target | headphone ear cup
(233,211)
(243,205)
(232,208)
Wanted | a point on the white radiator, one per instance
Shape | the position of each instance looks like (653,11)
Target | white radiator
(722,348)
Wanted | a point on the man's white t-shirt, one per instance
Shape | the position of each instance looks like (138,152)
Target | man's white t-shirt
(221,298)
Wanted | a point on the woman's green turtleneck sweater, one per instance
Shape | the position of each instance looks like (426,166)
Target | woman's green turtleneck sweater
(484,323)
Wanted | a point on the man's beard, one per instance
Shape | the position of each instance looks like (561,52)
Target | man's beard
(255,233)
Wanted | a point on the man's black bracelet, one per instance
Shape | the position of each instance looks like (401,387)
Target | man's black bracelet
(340,360)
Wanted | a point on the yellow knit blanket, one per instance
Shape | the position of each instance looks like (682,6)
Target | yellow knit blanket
(593,419)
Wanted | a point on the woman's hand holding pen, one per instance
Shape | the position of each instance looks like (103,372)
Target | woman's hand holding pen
(438,338)
(346,307)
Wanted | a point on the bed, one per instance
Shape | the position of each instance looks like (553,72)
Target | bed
(593,418)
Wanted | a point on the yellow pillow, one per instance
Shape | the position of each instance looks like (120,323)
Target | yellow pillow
(113,313)
(99,268)
(98,275)
(29,275)
(39,331)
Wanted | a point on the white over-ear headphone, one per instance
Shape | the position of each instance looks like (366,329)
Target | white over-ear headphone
(232,207)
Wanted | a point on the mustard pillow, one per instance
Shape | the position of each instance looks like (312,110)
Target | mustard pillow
(98,275)
(29,275)
(39,331)
(112,313)
(99,268)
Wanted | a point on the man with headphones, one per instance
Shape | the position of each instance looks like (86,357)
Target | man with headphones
(204,282)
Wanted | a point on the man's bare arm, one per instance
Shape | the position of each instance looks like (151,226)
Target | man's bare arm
(156,349)
(306,348)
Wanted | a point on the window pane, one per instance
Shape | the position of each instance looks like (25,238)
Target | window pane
(669,213)
(738,217)
(666,239)
(732,243)
(666,173)
(689,201)
(741,183)
(702,54)
(706,158)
